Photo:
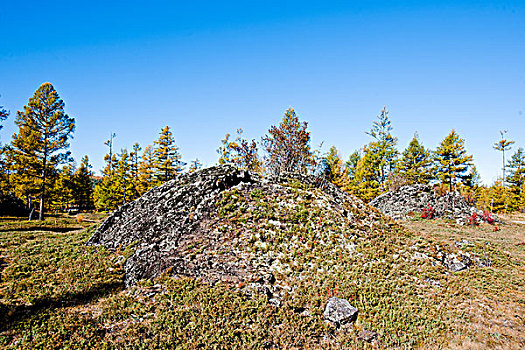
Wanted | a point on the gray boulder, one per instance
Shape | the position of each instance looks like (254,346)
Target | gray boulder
(339,311)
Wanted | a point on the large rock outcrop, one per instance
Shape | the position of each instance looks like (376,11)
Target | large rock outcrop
(412,199)
(222,223)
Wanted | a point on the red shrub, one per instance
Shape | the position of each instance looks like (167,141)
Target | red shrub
(428,212)
(487,216)
(472,220)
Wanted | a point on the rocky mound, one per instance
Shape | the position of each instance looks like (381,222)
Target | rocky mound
(413,199)
(224,224)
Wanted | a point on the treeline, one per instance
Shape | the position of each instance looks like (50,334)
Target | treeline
(37,166)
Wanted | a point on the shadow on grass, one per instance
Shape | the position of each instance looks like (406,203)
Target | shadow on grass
(12,315)
(41,228)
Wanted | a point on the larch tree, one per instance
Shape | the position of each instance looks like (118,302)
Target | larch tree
(288,145)
(195,165)
(415,162)
(384,145)
(367,184)
(3,115)
(516,179)
(167,159)
(502,146)
(333,169)
(42,140)
(228,150)
(451,161)
(83,185)
(146,171)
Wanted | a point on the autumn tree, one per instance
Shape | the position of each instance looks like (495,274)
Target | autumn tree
(167,159)
(195,165)
(516,179)
(42,140)
(367,184)
(333,169)
(451,161)
(502,146)
(287,145)
(83,185)
(3,116)
(240,152)
(384,145)
(415,162)
(146,171)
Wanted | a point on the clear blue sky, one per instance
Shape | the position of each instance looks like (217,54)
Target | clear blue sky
(208,67)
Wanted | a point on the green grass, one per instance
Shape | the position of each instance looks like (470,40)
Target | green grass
(56,293)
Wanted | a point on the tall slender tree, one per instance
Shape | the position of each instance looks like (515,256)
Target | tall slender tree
(384,146)
(83,185)
(42,140)
(451,161)
(415,163)
(167,159)
(502,146)
(146,171)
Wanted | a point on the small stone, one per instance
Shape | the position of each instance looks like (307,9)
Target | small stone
(367,336)
(339,311)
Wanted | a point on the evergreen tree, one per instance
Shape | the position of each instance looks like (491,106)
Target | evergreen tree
(167,159)
(415,163)
(83,185)
(503,145)
(451,160)
(287,145)
(42,140)
(62,191)
(384,145)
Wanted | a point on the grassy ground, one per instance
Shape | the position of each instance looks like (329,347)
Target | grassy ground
(57,293)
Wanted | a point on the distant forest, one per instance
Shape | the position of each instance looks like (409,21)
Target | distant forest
(37,166)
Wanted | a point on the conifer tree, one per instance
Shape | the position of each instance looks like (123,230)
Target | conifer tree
(516,180)
(451,160)
(415,163)
(385,145)
(167,159)
(83,185)
(195,165)
(124,192)
(228,150)
(368,173)
(146,171)
(42,140)
(503,145)
(288,145)
(62,191)
(333,168)
(134,168)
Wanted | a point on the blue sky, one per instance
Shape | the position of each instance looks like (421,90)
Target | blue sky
(208,67)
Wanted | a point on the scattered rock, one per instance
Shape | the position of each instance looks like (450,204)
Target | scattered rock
(339,312)
(433,282)
(367,336)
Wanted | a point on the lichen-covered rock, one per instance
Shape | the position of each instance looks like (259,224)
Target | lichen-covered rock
(191,225)
(339,311)
(412,199)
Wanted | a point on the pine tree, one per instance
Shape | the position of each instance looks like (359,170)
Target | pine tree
(124,186)
(83,185)
(42,140)
(61,195)
(385,145)
(134,168)
(503,145)
(287,145)
(167,159)
(105,194)
(451,160)
(415,163)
